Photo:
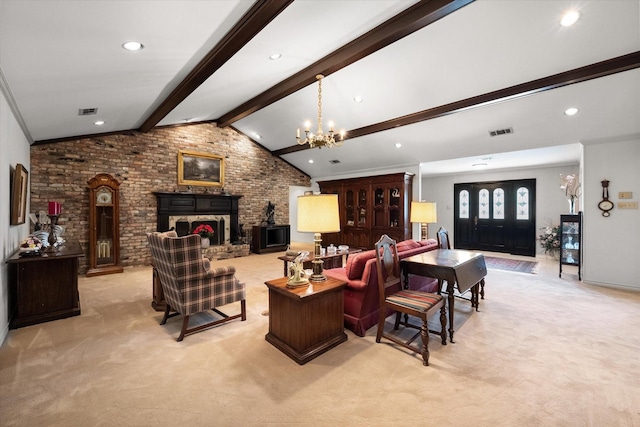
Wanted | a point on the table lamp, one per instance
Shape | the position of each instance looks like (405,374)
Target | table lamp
(424,213)
(318,214)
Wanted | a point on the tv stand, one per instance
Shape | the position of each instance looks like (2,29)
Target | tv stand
(270,238)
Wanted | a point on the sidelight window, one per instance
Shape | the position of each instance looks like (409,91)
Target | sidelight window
(483,204)
(463,200)
(523,203)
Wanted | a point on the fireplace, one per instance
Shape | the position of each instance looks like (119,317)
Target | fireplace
(183,212)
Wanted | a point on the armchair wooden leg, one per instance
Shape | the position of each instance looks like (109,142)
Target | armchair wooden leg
(243,309)
(185,323)
(424,333)
(167,309)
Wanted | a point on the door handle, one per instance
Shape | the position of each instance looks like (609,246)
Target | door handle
(475,220)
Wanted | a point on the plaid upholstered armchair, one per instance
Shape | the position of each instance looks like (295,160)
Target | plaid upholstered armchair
(189,284)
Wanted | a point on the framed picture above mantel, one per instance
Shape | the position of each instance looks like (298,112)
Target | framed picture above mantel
(200,169)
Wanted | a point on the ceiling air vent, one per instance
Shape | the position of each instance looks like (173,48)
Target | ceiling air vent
(87,111)
(334,162)
(501,132)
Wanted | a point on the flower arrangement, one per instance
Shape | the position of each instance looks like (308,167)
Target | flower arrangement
(204,230)
(550,239)
(570,186)
(31,243)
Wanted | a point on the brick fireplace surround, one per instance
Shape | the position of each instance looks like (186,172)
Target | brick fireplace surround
(185,211)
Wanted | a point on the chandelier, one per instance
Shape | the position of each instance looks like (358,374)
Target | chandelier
(320,139)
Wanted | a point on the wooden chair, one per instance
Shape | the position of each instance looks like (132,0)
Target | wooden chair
(189,284)
(445,243)
(422,305)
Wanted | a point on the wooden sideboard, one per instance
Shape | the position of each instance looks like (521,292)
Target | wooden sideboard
(44,288)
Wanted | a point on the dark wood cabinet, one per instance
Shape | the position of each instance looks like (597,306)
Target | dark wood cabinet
(45,287)
(571,241)
(370,207)
(270,238)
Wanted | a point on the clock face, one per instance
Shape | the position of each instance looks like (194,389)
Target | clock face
(605,206)
(103,197)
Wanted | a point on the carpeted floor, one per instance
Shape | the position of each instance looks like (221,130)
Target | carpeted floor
(511,264)
(542,351)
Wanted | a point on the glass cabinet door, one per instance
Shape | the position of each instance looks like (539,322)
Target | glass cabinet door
(362,207)
(571,241)
(350,208)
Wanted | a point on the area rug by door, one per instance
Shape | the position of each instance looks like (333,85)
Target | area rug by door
(511,264)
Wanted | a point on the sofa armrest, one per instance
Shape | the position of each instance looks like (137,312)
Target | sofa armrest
(341,274)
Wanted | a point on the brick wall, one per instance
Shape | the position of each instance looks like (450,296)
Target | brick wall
(147,162)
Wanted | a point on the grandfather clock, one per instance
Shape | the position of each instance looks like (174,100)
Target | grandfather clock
(104,226)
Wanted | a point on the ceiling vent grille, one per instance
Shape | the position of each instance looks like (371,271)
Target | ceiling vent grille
(334,162)
(87,111)
(501,132)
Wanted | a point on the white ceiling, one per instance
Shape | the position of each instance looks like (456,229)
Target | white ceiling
(60,56)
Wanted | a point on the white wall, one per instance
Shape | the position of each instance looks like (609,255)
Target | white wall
(14,149)
(550,200)
(611,252)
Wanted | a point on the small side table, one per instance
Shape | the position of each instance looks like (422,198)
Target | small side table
(307,321)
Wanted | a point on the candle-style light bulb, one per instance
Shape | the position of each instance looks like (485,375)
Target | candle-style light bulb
(307,126)
(330,126)
(298,133)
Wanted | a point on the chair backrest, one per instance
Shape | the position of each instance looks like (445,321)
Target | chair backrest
(443,239)
(388,267)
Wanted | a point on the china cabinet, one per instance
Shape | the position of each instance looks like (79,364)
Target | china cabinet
(370,207)
(571,241)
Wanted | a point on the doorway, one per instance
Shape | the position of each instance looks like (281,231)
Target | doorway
(496,216)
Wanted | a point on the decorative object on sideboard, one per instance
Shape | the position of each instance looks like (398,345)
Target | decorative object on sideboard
(318,214)
(270,214)
(19,189)
(605,204)
(200,169)
(424,213)
(53,237)
(571,187)
(320,139)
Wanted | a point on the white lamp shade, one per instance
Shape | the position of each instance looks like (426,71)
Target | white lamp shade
(424,212)
(318,213)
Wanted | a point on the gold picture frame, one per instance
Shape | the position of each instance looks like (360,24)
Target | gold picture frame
(19,188)
(200,169)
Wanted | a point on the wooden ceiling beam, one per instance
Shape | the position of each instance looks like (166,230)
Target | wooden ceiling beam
(577,75)
(251,23)
(412,19)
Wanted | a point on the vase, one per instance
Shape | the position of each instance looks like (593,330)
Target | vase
(572,205)
(205,242)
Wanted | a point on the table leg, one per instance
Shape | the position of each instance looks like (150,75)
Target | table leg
(286,273)
(451,299)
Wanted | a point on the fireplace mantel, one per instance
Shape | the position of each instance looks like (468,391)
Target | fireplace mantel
(177,204)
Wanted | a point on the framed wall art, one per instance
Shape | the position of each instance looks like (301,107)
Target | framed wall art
(200,169)
(19,189)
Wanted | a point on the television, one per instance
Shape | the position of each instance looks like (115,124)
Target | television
(277,236)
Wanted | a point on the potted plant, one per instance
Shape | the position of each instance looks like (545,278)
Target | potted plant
(550,240)
(206,233)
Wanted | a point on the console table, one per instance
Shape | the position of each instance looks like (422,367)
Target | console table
(329,261)
(45,287)
(307,321)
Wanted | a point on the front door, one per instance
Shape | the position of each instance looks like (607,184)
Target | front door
(496,216)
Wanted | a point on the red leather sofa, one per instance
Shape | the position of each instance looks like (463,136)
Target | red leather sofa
(361,293)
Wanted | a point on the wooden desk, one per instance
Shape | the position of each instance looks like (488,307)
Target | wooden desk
(307,321)
(457,267)
(44,288)
(329,261)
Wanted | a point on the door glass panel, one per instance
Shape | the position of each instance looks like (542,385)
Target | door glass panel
(522,195)
(498,203)
(483,204)
(463,200)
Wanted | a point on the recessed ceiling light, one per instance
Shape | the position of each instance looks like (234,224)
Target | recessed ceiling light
(358,99)
(310,160)
(479,165)
(570,18)
(275,56)
(133,46)
(257,135)
(571,111)
(99,123)
(398,145)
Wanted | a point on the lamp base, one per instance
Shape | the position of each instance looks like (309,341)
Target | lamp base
(318,275)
